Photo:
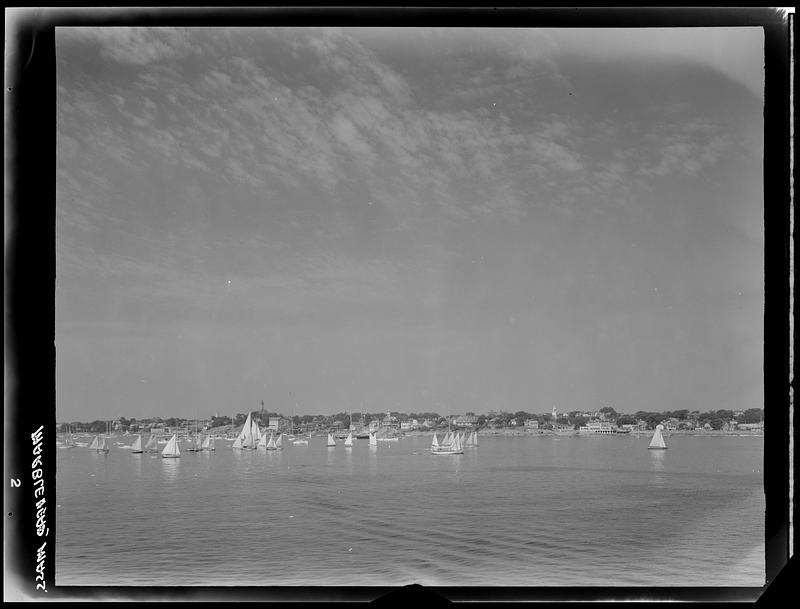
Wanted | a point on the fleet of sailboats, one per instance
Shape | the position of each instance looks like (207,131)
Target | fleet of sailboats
(451,444)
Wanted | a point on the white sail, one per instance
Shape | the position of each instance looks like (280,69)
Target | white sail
(373,439)
(95,443)
(137,444)
(279,441)
(237,443)
(435,443)
(331,441)
(349,440)
(474,438)
(206,443)
(171,449)
(211,445)
(262,442)
(152,443)
(257,435)
(271,443)
(102,447)
(658,439)
(246,435)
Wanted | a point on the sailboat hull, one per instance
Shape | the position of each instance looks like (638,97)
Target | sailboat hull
(657,447)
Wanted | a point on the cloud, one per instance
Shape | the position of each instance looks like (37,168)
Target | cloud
(135,45)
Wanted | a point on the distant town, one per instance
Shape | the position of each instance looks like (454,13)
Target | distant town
(604,420)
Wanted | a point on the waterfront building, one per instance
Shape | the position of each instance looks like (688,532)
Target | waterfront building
(465,420)
(599,427)
(532,424)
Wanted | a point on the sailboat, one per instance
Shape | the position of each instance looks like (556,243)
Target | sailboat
(349,440)
(373,438)
(246,439)
(208,443)
(658,440)
(472,440)
(279,441)
(271,443)
(102,447)
(137,445)
(95,443)
(262,442)
(70,438)
(172,449)
(331,441)
(152,444)
(451,445)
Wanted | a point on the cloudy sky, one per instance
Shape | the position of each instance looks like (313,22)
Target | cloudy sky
(408,219)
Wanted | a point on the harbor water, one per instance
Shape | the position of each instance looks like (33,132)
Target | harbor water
(515,511)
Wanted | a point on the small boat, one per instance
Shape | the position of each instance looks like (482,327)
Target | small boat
(349,440)
(658,439)
(208,443)
(302,441)
(152,444)
(373,438)
(172,449)
(271,444)
(472,440)
(102,446)
(331,441)
(95,443)
(137,445)
(279,442)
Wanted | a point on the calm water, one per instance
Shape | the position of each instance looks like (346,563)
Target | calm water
(516,511)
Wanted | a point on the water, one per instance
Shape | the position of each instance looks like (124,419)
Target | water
(516,511)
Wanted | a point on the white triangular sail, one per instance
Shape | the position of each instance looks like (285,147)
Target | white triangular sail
(237,443)
(658,439)
(435,443)
(349,440)
(102,447)
(172,449)
(246,435)
(373,438)
(137,444)
(211,445)
(262,441)
(95,443)
(331,441)
(474,441)
(271,443)
(206,442)
(279,441)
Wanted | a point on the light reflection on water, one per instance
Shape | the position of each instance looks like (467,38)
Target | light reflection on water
(514,511)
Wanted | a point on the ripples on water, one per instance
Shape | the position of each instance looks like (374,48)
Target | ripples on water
(521,511)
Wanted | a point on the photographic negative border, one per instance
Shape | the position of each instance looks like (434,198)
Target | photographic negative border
(30,272)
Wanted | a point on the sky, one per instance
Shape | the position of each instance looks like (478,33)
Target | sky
(450,220)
